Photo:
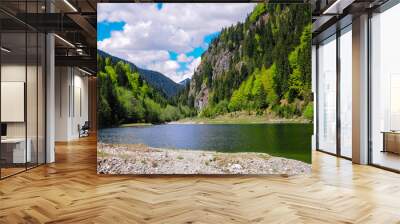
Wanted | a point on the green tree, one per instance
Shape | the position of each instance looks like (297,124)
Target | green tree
(237,101)
(259,95)
(153,111)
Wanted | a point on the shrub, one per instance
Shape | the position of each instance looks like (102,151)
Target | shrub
(221,108)
(207,112)
(285,110)
(153,111)
(170,113)
(308,112)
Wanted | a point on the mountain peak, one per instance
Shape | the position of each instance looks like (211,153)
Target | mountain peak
(184,82)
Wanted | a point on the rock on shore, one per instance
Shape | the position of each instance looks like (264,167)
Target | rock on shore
(141,159)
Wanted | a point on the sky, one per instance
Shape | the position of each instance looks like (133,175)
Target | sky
(166,37)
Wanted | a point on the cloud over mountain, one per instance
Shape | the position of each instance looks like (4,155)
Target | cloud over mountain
(168,38)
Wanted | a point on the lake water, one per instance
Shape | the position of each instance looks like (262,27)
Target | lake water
(286,140)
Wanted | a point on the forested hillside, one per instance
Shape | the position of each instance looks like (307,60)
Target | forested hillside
(157,80)
(262,65)
(125,97)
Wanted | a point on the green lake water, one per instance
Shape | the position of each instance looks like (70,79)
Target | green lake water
(286,140)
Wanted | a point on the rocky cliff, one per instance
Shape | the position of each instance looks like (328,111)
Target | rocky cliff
(257,64)
(224,54)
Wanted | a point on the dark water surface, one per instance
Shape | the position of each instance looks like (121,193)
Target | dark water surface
(286,140)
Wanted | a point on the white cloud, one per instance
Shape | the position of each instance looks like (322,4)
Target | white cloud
(187,73)
(193,65)
(171,68)
(144,58)
(184,58)
(165,67)
(150,33)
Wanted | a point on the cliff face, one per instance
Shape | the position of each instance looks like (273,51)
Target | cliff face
(219,62)
(224,54)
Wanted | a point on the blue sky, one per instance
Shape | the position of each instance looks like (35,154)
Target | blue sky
(195,53)
(169,38)
(105,28)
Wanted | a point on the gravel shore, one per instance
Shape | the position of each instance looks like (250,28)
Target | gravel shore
(141,159)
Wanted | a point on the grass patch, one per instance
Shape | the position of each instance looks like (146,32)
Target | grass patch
(264,156)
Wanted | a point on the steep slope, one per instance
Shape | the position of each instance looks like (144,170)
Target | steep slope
(155,79)
(125,97)
(259,64)
(184,82)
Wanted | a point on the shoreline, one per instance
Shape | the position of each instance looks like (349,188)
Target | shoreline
(242,117)
(215,121)
(141,159)
(134,125)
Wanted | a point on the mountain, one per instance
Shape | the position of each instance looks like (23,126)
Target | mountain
(155,79)
(185,82)
(261,63)
(124,96)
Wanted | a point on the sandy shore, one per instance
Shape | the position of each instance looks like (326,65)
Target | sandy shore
(141,159)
